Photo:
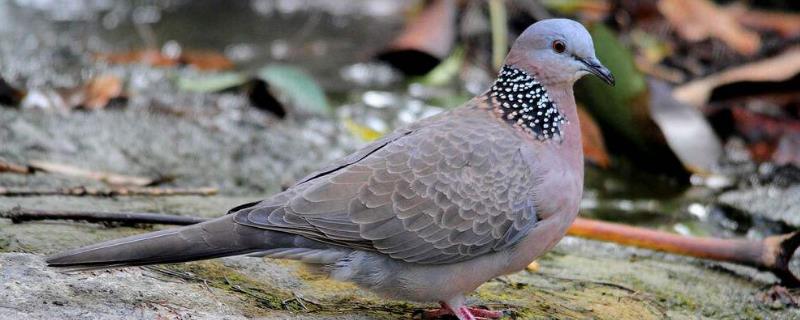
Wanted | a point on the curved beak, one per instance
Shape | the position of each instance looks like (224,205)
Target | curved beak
(593,66)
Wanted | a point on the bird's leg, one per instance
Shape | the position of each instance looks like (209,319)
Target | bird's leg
(463,313)
(483,313)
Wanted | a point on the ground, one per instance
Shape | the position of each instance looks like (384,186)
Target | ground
(580,279)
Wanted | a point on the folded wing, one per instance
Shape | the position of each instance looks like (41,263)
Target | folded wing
(442,193)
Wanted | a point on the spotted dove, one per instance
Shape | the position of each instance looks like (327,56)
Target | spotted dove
(430,211)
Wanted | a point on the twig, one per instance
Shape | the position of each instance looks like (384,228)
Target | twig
(107,177)
(499,21)
(15,168)
(18,215)
(112,192)
(772,253)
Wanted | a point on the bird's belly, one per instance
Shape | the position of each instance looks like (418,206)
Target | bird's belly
(557,205)
(424,283)
(541,238)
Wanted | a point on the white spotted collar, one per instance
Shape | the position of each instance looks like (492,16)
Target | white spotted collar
(522,100)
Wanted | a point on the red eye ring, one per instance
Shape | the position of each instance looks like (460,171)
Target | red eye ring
(559,46)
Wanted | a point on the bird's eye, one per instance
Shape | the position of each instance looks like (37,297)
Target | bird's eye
(559,46)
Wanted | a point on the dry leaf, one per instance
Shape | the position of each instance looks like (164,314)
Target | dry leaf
(14,168)
(594,149)
(425,40)
(533,267)
(785,24)
(685,129)
(107,177)
(778,68)
(697,20)
(769,138)
(100,90)
(206,60)
(755,126)
(151,57)
(202,60)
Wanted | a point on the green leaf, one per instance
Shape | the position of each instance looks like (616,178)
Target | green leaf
(297,86)
(212,82)
(445,71)
(622,108)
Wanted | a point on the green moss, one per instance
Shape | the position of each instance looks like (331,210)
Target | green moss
(569,299)
(259,297)
(5,244)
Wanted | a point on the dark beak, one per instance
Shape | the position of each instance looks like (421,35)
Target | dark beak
(594,67)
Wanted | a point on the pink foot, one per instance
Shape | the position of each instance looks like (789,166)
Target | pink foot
(483,313)
(462,313)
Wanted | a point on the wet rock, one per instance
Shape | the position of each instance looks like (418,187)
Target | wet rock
(768,202)
(28,289)
(236,154)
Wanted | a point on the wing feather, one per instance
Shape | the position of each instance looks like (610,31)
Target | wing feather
(440,192)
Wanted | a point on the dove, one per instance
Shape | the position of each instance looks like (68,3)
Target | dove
(433,209)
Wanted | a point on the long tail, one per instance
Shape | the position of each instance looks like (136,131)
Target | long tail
(216,238)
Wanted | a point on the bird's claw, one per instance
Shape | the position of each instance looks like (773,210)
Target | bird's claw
(478,313)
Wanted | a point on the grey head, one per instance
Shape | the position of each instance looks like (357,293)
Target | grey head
(557,51)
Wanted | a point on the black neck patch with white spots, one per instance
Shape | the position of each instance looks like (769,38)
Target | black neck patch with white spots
(523,101)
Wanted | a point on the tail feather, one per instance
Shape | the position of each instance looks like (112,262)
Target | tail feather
(216,238)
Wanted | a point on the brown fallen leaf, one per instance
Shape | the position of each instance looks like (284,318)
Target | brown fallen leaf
(594,148)
(151,57)
(202,60)
(697,20)
(785,24)
(761,151)
(756,126)
(107,177)
(776,69)
(14,168)
(425,41)
(206,60)
(100,90)
(768,138)
(533,267)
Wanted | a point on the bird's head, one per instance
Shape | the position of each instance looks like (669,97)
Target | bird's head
(557,51)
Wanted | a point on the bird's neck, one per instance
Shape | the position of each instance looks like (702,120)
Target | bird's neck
(521,100)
